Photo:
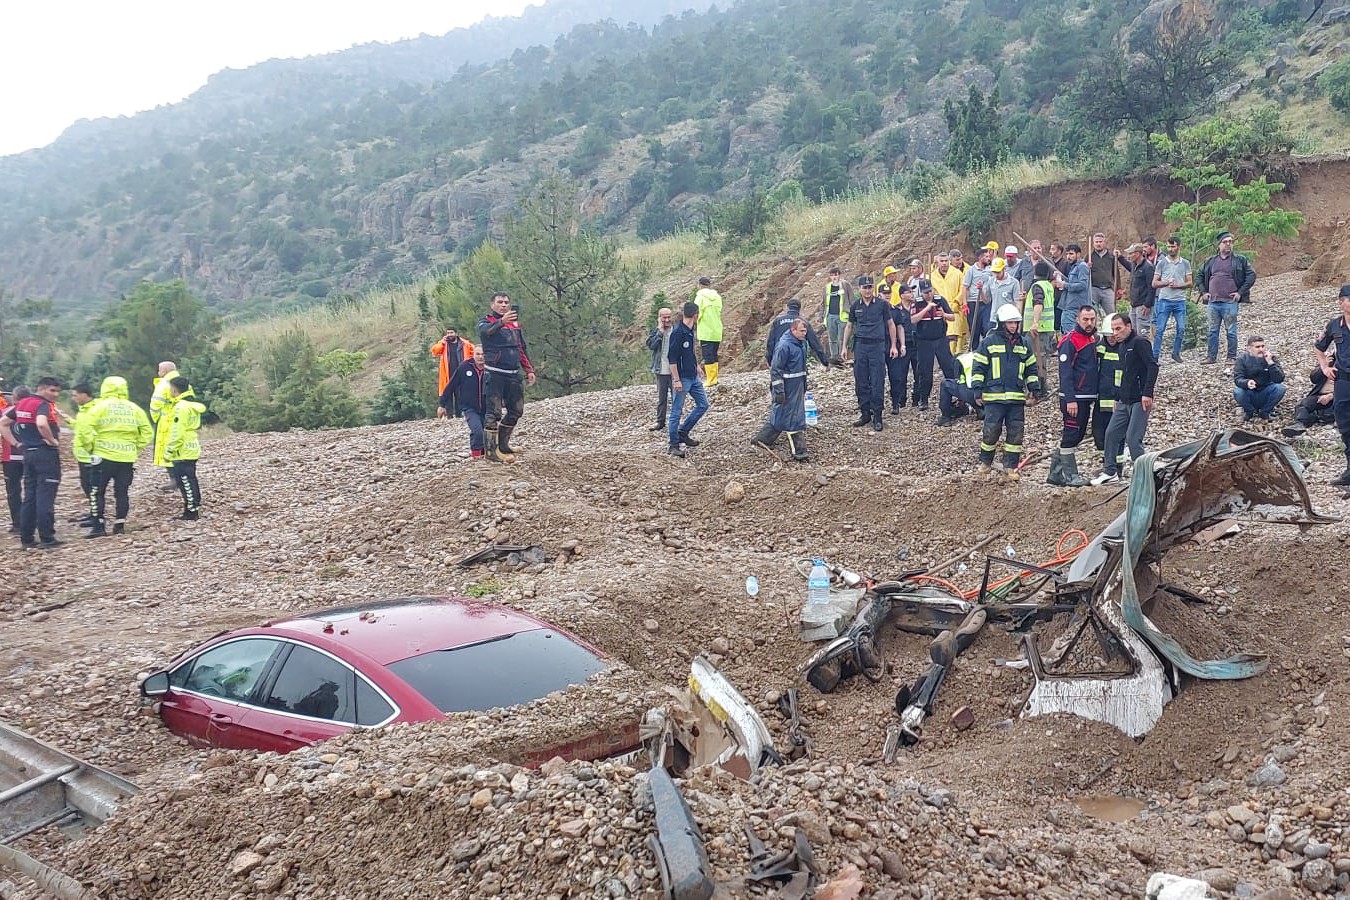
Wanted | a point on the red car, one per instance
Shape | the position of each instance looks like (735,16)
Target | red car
(296,682)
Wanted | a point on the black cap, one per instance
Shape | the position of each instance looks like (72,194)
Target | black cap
(906,287)
(795,303)
(1345,291)
(925,284)
(1222,236)
(864,281)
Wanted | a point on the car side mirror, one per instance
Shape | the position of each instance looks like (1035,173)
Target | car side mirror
(157,685)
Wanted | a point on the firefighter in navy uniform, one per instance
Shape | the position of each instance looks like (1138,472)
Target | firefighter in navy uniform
(872,328)
(1337,332)
(1078,373)
(956,398)
(1108,389)
(780,326)
(504,355)
(787,387)
(1004,371)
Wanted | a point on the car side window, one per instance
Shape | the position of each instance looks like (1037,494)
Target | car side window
(230,670)
(313,684)
(371,708)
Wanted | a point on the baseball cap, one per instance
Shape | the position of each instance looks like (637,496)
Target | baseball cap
(992,245)
(1010,250)
(864,281)
(1345,291)
(889,270)
(926,285)
(885,287)
(906,287)
(1135,248)
(795,303)
(916,262)
(998,265)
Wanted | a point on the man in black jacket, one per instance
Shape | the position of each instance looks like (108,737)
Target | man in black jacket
(1225,280)
(1258,380)
(1142,293)
(504,357)
(1129,419)
(782,324)
(658,342)
(1316,408)
(464,397)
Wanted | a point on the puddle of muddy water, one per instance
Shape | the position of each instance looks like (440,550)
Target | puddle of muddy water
(1111,809)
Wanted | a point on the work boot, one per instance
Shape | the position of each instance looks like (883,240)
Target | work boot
(189,515)
(1069,471)
(943,422)
(1056,476)
(1012,475)
(797,443)
(983,469)
(895,409)
(711,370)
(864,419)
(490,445)
(97,530)
(504,449)
(675,450)
(119,528)
(1344,480)
(877,424)
(1297,429)
(766,437)
(687,440)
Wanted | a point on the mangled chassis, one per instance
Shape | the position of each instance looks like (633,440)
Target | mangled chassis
(1110,663)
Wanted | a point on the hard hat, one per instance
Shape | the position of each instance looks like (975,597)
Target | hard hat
(998,265)
(889,270)
(1010,250)
(1008,313)
(992,245)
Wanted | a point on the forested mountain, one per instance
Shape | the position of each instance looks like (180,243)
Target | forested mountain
(328,175)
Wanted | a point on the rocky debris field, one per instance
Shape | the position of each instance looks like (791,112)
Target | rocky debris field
(1242,783)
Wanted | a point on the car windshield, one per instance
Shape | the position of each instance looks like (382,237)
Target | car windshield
(505,671)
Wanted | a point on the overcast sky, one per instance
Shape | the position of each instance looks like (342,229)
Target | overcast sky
(64,60)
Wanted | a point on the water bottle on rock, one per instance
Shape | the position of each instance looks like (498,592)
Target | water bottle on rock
(818,584)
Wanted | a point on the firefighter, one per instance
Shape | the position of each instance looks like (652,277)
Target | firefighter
(872,326)
(783,323)
(1108,389)
(955,396)
(787,385)
(1004,371)
(1078,372)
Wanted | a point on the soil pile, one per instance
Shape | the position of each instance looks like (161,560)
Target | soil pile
(647,559)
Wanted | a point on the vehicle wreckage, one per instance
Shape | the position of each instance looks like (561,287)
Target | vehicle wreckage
(1107,660)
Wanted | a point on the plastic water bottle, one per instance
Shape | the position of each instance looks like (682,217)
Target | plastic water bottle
(751,586)
(818,584)
(812,411)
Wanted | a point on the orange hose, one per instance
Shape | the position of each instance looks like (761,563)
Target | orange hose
(1061,556)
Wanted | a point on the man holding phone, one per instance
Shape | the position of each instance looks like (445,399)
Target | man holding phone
(504,356)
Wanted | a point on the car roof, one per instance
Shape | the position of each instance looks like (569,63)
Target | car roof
(387,631)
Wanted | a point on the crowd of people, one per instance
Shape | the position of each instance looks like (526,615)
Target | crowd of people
(107,434)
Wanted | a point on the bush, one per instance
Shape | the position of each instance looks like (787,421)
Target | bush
(1335,83)
(409,395)
(297,392)
(979,204)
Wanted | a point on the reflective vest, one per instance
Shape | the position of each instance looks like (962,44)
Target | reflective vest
(967,361)
(1047,292)
(836,293)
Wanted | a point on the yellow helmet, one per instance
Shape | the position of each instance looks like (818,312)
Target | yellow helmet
(992,245)
(889,270)
(998,265)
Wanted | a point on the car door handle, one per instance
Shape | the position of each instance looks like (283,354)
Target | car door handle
(221,719)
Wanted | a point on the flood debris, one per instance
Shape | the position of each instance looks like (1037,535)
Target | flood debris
(795,869)
(512,554)
(681,858)
(708,724)
(915,703)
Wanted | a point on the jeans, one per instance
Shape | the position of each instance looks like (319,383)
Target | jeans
(1223,313)
(690,387)
(1162,311)
(834,328)
(41,478)
(474,419)
(1128,423)
(663,391)
(1260,402)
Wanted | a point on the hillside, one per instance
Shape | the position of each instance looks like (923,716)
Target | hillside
(311,178)
(650,563)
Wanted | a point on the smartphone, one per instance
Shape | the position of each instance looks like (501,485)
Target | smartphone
(515,308)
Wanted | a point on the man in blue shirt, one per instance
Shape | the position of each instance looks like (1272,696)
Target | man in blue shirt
(1077,288)
(686,375)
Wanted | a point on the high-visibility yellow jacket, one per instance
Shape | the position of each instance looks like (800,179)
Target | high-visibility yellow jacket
(948,287)
(1005,369)
(709,315)
(81,423)
(187,420)
(112,427)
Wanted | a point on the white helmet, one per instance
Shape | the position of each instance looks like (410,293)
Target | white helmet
(1008,313)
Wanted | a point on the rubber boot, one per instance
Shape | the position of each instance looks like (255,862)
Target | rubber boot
(504,443)
(1056,476)
(797,444)
(1069,471)
(766,437)
(490,445)
(711,369)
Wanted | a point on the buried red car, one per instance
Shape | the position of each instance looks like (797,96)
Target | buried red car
(295,682)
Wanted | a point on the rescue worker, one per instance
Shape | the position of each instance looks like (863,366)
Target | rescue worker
(1316,408)
(111,433)
(11,459)
(946,280)
(1337,371)
(956,398)
(83,397)
(450,351)
(1108,390)
(686,381)
(184,447)
(1002,290)
(709,326)
(504,356)
(897,367)
(838,298)
(1129,419)
(160,416)
(975,298)
(787,386)
(780,326)
(1038,313)
(931,317)
(37,430)
(1003,374)
(1078,374)
(464,397)
(890,278)
(658,342)
(872,327)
